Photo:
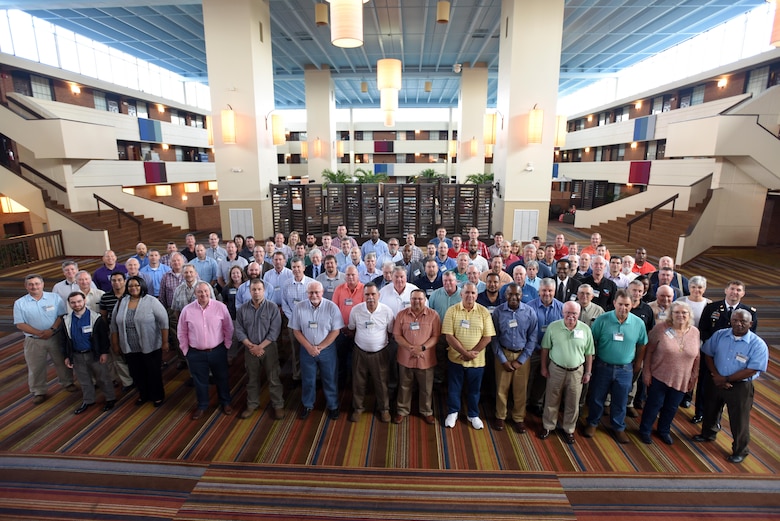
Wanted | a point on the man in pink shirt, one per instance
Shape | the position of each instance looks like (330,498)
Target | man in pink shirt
(204,327)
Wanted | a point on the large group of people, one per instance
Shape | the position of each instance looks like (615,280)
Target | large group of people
(538,328)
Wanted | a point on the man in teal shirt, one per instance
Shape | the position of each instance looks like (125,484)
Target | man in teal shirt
(620,339)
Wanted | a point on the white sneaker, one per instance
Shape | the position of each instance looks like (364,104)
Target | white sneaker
(476,422)
(450,420)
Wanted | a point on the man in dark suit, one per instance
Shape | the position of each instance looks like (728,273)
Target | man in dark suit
(717,316)
(565,286)
(316,268)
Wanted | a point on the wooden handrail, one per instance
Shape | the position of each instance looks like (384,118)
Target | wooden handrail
(29,249)
(119,213)
(52,182)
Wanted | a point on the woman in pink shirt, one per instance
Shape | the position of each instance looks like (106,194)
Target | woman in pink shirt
(671,367)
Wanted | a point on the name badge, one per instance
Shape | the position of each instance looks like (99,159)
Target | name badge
(579,334)
(491,308)
(348,302)
(428,292)
(416,273)
(670,333)
(617,337)
(414,326)
(312,325)
(465,324)
(86,329)
(544,328)
(296,300)
(232,291)
(49,308)
(405,304)
(596,293)
(513,323)
(369,325)
(662,315)
(742,359)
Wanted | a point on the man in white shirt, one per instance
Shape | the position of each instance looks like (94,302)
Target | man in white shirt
(371,321)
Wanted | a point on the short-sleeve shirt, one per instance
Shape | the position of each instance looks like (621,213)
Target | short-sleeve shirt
(39,314)
(616,343)
(371,329)
(732,354)
(316,323)
(468,326)
(568,347)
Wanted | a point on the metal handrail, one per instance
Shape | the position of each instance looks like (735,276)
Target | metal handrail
(119,213)
(650,212)
(52,182)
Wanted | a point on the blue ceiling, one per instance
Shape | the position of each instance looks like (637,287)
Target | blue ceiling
(600,37)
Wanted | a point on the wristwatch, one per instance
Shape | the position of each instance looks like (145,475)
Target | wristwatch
(422,348)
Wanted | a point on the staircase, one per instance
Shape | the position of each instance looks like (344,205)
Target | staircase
(155,234)
(659,241)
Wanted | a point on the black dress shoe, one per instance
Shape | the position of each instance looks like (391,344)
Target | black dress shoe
(685,404)
(333,414)
(83,407)
(697,418)
(544,434)
(666,438)
(140,401)
(305,413)
(128,388)
(736,458)
(109,405)
(702,439)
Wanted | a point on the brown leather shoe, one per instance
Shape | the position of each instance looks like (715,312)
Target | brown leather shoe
(621,436)
(385,417)
(430,420)
(520,427)
(498,424)
(227,410)
(197,414)
(39,398)
(398,419)
(589,431)
(246,413)
(354,417)
(568,437)
(278,413)
(632,413)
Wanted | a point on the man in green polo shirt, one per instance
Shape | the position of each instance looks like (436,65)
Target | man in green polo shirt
(567,359)
(620,339)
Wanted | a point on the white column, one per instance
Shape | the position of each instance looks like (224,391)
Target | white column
(528,67)
(472,104)
(238,52)
(320,121)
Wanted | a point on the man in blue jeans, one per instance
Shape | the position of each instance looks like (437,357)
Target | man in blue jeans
(316,324)
(620,338)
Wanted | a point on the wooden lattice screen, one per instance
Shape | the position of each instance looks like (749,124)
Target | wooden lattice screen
(395,209)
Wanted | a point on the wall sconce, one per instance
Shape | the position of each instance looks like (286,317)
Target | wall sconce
(317,147)
(277,128)
(305,149)
(212,186)
(638,105)
(321,14)
(535,125)
(191,188)
(473,147)
(488,150)
(722,83)
(346,27)
(162,190)
(210,131)
(165,146)
(442,12)
(590,118)
(560,131)
(453,148)
(184,198)
(339,149)
(388,74)
(489,127)
(428,86)
(75,89)
(634,145)
(587,150)
(228,126)
(363,87)
(160,108)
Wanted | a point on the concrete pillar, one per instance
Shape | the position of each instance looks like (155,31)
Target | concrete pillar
(472,104)
(320,121)
(528,67)
(238,52)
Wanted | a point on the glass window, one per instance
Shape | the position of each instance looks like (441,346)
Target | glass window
(758,80)
(47,46)
(100,100)
(141,109)
(41,87)
(23,35)
(698,95)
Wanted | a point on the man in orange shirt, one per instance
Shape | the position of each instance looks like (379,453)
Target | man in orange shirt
(417,330)
(595,240)
(346,296)
(641,265)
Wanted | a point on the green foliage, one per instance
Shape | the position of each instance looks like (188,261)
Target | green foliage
(428,175)
(479,179)
(338,177)
(364,176)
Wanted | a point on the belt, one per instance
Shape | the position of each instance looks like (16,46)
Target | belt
(82,352)
(510,349)
(370,352)
(206,349)
(567,368)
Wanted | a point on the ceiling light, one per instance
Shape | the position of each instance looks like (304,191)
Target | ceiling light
(442,12)
(321,14)
(346,23)
(388,74)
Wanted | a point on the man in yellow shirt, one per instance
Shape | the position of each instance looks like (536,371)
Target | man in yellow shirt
(468,328)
